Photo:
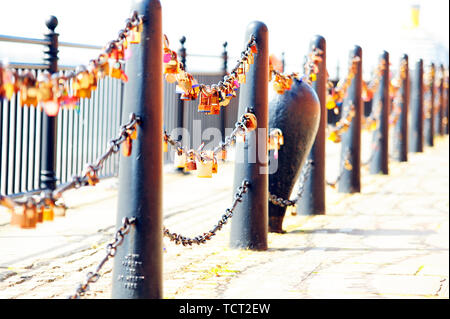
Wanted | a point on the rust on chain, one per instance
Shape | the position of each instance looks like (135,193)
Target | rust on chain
(202,239)
(111,248)
(89,175)
(279,201)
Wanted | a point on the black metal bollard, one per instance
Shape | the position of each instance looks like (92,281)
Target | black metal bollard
(429,106)
(380,160)
(401,127)
(313,199)
(137,272)
(416,114)
(249,225)
(439,109)
(350,178)
(180,105)
(223,115)
(297,114)
(49,123)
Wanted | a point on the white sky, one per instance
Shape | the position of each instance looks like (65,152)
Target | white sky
(207,24)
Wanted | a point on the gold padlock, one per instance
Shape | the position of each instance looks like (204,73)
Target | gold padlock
(191,164)
(48,214)
(60,210)
(24,216)
(205,168)
(165,144)
(179,160)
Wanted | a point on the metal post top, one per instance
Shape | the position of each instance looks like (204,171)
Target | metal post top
(51,23)
(319,41)
(384,55)
(356,51)
(257,28)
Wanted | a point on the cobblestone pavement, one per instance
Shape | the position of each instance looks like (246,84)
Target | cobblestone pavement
(389,241)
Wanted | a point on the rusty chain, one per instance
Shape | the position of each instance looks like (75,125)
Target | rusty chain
(111,249)
(240,127)
(279,201)
(88,177)
(202,239)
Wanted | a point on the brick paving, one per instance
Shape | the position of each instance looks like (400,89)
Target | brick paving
(389,241)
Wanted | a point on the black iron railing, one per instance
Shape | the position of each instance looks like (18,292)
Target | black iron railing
(83,134)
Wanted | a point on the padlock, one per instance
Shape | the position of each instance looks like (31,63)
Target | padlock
(214,101)
(45,87)
(345,127)
(330,103)
(30,213)
(51,107)
(9,83)
(165,143)
(205,97)
(69,102)
(222,154)
(278,87)
(172,67)
(241,73)
(132,132)
(83,79)
(240,137)
(205,168)
(127,146)
(250,59)
(92,177)
(115,51)
(347,165)
(92,75)
(222,97)
(271,143)
(60,210)
(191,164)
(18,216)
(48,213)
(179,159)
(116,70)
(134,36)
(215,165)
(102,65)
(246,65)
(28,90)
(292,209)
(40,214)
(250,121)
(334,137)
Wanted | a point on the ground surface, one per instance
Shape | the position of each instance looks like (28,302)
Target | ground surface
(389,241)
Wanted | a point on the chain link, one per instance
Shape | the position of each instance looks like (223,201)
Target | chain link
(202,239)
(111,249)
(89,175)
(279,201)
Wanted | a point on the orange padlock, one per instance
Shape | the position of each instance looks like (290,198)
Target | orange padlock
(49,214)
